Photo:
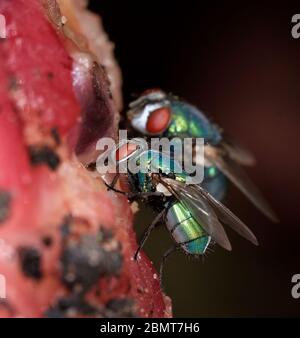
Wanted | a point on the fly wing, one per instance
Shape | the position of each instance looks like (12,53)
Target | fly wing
(237,176)
(237,152)
(200,209)
(192,194)
(227,216)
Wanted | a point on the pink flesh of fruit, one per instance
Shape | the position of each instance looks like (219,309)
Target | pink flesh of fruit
(54,254)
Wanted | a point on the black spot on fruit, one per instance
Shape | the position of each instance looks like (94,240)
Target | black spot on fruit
(44,155)
(5,203)
(47,241)
(122,307)
(77,305)
(56,136)
(30,261)
(74,304)
(85,261)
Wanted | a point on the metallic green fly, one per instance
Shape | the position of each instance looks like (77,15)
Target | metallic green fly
(193,216)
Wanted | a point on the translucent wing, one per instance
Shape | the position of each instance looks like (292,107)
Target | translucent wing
(191,195)
(237,152)
(228,217)
(237,176)
(200,209)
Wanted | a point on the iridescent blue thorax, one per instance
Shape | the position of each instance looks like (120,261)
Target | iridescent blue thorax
(155,161)
(188,121)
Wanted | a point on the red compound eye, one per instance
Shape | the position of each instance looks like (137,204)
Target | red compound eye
(158,120)
(150,91)
(125,151)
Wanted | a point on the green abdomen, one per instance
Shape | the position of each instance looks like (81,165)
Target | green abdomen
(186,231)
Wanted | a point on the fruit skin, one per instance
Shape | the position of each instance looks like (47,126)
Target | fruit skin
(56,220)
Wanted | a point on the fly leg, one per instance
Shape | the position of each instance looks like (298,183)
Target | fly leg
(111,186)
(163,261)
(114,181)
(148,231)
(134,195)
(169,252)
(144,195)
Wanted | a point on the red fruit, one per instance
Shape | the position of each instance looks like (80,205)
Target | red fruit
(66,244)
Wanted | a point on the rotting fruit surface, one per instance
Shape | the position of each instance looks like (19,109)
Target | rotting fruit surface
(66,244)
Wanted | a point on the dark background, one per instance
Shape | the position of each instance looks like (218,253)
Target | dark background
(240,64)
